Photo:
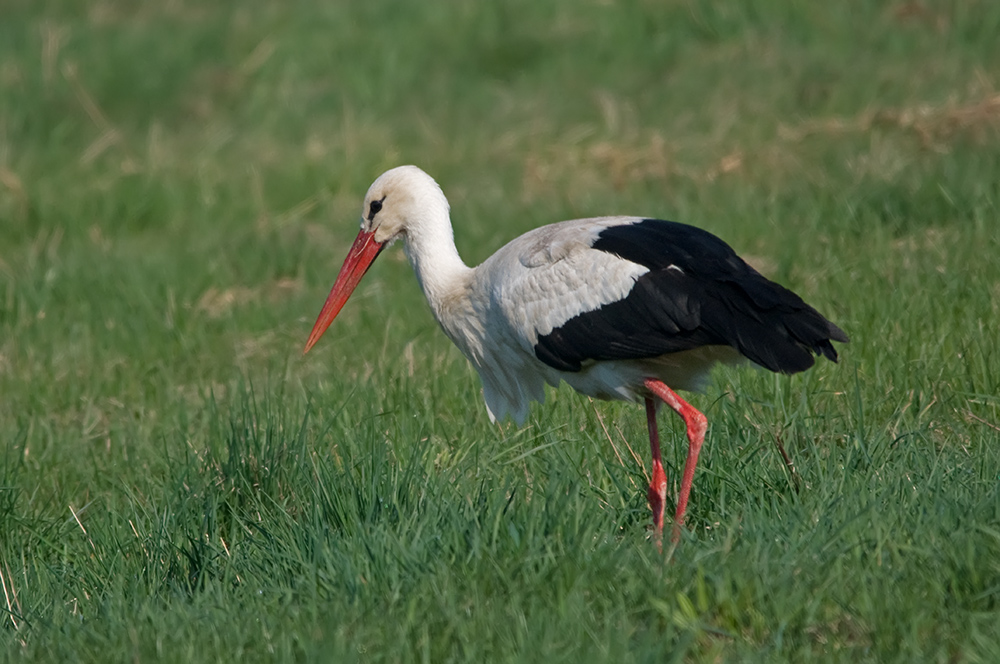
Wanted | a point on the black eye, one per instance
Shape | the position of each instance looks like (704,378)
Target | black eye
(374,208)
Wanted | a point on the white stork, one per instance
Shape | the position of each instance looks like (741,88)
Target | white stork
(617,307)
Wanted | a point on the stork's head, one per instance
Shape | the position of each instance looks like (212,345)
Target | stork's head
(399,202)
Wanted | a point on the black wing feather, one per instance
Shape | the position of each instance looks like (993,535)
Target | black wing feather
(697,292)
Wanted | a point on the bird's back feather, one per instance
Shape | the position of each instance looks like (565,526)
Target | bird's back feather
(697,292)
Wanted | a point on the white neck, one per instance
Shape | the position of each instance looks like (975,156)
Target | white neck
(443,275)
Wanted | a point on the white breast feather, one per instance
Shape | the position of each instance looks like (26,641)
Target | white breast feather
(529,288)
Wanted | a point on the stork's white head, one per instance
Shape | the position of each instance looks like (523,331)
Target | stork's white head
(402,199)
(403,202)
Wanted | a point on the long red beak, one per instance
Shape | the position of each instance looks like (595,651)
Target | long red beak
(363,253)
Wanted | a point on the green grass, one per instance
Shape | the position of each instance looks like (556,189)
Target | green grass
(179,182)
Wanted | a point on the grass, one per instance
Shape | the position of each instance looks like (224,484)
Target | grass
(179,183)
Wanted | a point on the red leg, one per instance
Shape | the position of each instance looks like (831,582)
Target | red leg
(657,494)
(696,425)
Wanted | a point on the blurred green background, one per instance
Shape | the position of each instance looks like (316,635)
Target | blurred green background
(179,182)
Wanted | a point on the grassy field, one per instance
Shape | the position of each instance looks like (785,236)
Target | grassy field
(179,182)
